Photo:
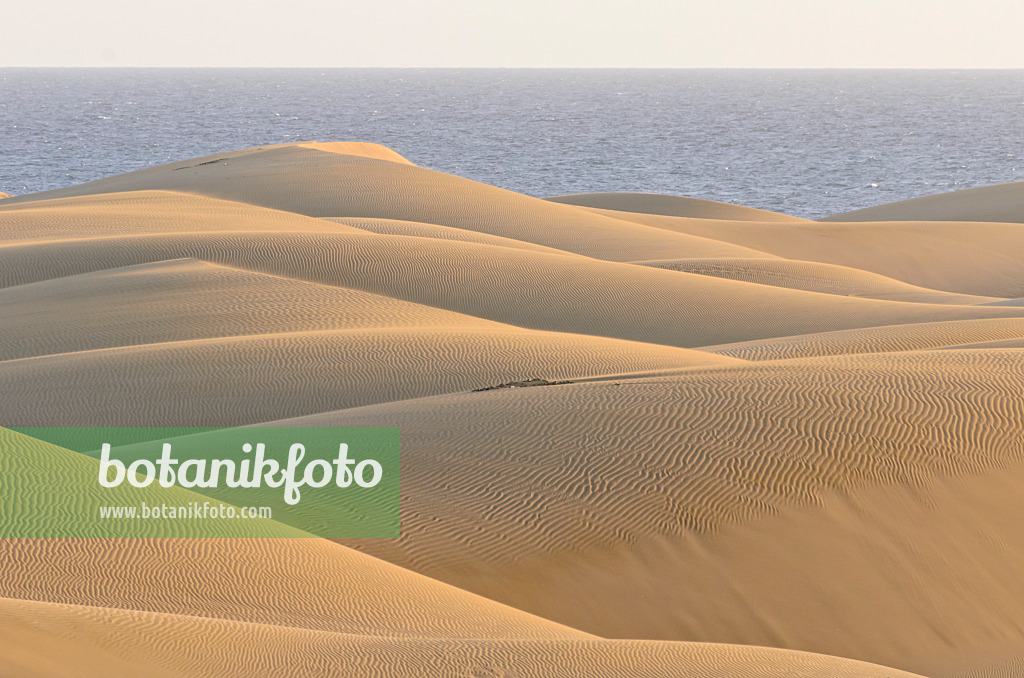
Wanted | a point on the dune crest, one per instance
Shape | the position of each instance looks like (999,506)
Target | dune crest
(670,205)
(361,149)
(1000,202)
(150,643)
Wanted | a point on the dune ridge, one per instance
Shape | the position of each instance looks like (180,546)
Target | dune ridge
(246,649)
(816,277)
(357,148)
(887,339)
(1000,202)
(974,258)
(533,289)
(669,205)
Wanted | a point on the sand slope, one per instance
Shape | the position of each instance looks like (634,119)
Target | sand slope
(1001,202)
(304,181)
(300,606)
(292,581)
(610,487)
(913,337)
(356,148)
(757,431)
(420,230)
(974,258)
(538,290)
(252,379)
(145,212)
(275,345)
(815,277)
(669,205)
(155,644)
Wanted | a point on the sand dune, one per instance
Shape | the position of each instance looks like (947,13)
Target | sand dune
(119,344)
(174,301)
(304,181)
(356,148)
(145,212)
(1007,302)
(155,644)
(300,582)
(303,606)
(249,379)
(759,436)
(1001,202)
(670,205)
(967,258)
(608,486)
(419,230)
(914,337)
(815,277)
(538,290)
(1017,342)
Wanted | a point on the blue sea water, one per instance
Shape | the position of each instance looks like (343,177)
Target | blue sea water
(809,143)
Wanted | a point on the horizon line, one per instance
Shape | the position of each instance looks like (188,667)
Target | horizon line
(538,68)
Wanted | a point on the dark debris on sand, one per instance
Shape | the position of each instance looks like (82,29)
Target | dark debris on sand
(521,384)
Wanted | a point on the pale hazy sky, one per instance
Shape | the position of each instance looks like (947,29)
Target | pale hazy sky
(523,33)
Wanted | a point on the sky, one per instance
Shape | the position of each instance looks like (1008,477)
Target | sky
(520,33)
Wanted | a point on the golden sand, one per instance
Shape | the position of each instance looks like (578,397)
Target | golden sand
(776,447)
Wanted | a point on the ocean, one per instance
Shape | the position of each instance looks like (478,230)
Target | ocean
(805,142)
